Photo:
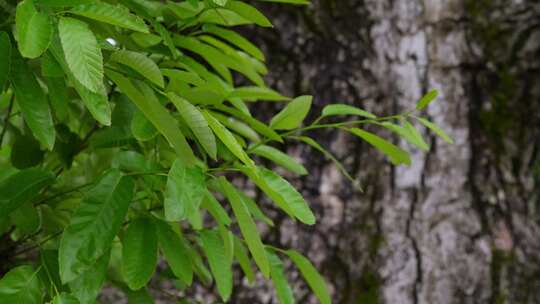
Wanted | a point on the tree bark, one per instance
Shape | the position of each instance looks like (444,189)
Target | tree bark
(461,225)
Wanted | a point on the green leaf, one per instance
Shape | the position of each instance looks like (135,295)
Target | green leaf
(247,227)
(22,187)
(140,296)
(150,106)
(65,298)
(409,133)
(427,99)
(167,39)
(237,126)
(300,2)
(140,64)
(313,278)
(94,224)
(279,158)
(33,102)
(396,155)
(258,126)
(255,210)
(145,40)
(428,124)
(249,12)
(257,93)
(141,128)
(27,219)
(235,39)
(58,3)
(185,191)
(96,103)
(176,252)
(34,30)
(219,264)
(21,286)
(293,114)
(117,15)
(228,139)
(58,95)
(222,17)
(241,255)
(82,53)
(139,253)
(277,274)
(216,210)
(220,2)
(197,123)
(343,109)
(282,193)
(5,63)
(87,286)
(183,76)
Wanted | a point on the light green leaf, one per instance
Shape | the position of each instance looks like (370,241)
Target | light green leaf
(279,158)
(299,2)
(219,264)
(176,252)
(216,210)
(82,53)
(277,274)
(183,76)
(408,132)
(167,39)
(156,114)
(21,286)
(343,109)
(140,64)
(94,224)
(396,155)
(65,298)
(235,39)
(185,10)
(247,227)
(34,30)
(5,63)
(257,93)
(22,187)
(427,99)
(312,276)
(146,40)
(222,17)
(237,126)
(58,3)
(220,2)
(117,15)
(185,191)
(228,139)
(33,102)
(258,126)
(249,12)
(241,255)
(87,286)
(293,114)
(139,253)
(428,124)
(197,123)
(254,209)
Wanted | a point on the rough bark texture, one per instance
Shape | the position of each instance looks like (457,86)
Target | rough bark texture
(461,225)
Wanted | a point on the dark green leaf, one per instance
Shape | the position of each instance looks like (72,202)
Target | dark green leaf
(176,252)
(5,63)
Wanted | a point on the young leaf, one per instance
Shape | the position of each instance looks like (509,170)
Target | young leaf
(5,64)
(277,274)
(94,224)
(236,39)
(33,102)
(82,53)
(228,139)
(139,253)
(21,285)
(257,93)
(185,191)
(343,109)
(247,227)
(140,64)
(293,114)
(113,14)
(197,123)
(409,133)
(156,114)
(241,255)
(428,124)
(427,99)
(219,264)
(249,12)
(176,252)
(279,158)
(22,187)
(396,155)
(312,276)
(34,30)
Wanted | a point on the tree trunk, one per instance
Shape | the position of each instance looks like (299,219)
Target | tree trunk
(461,225)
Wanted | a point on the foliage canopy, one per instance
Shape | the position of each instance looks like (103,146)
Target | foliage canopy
(124,123)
